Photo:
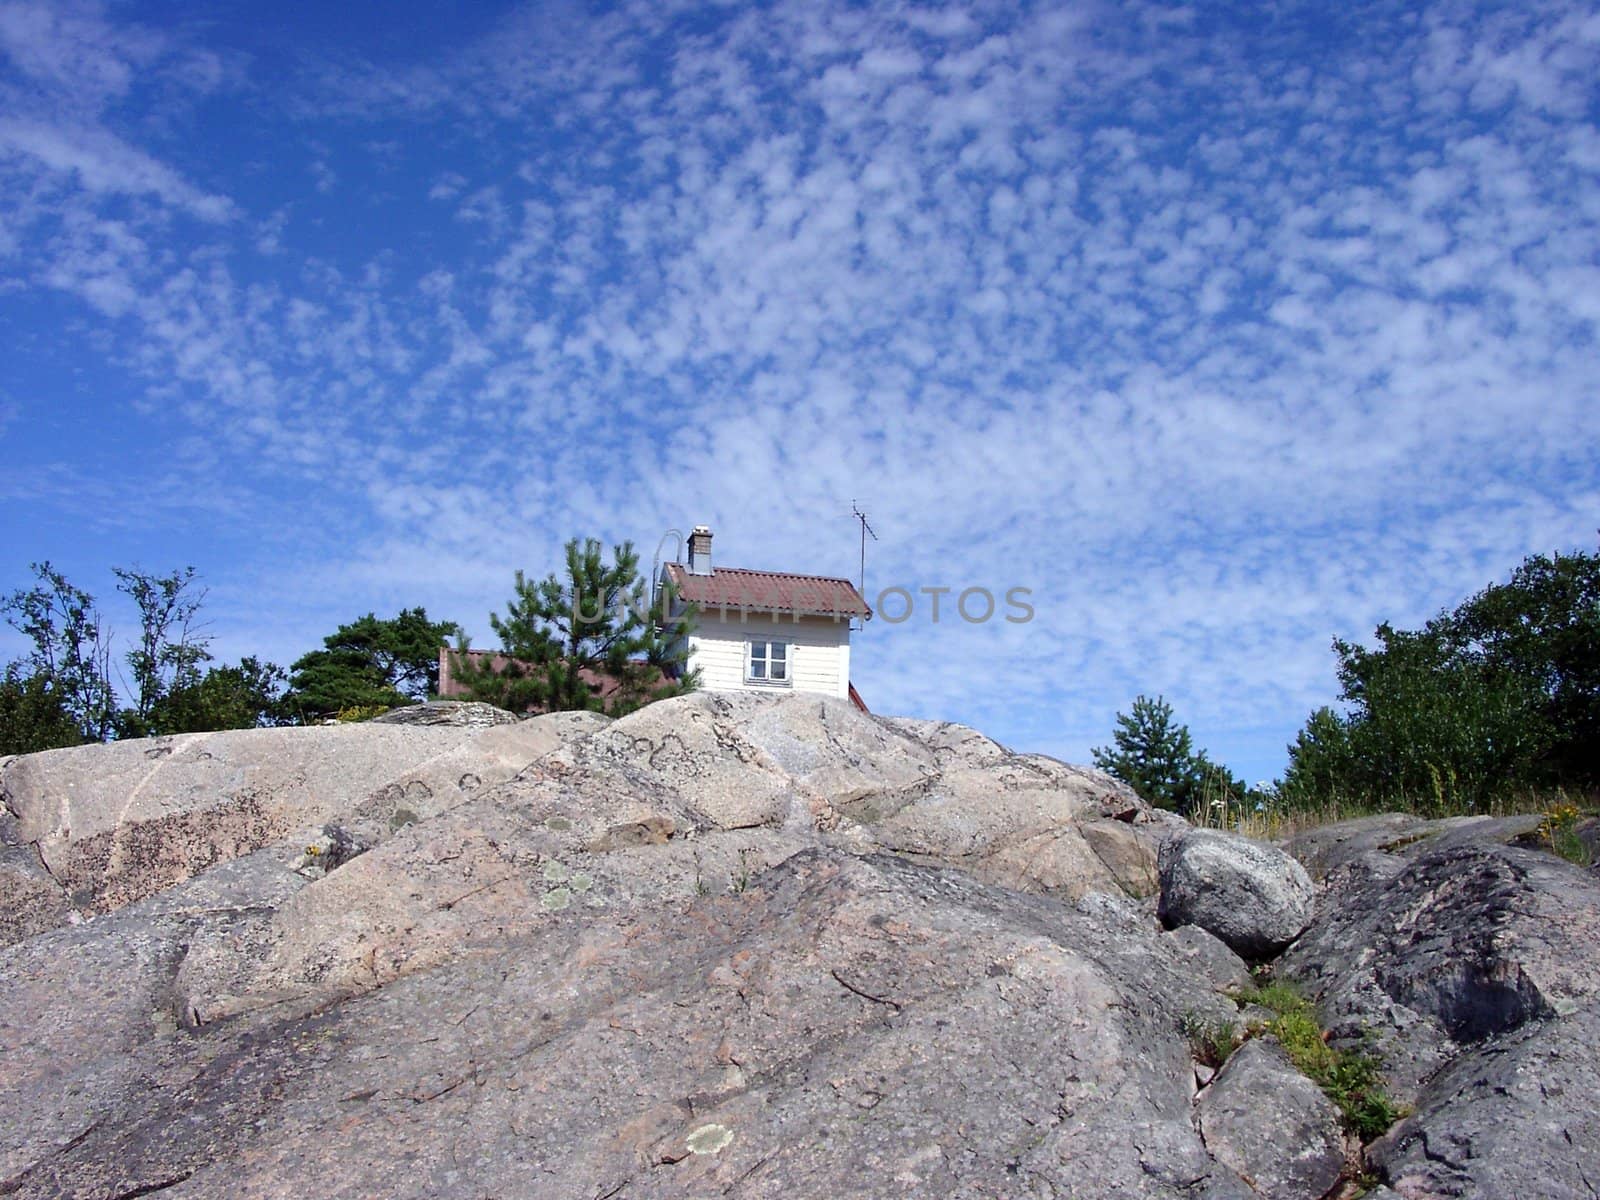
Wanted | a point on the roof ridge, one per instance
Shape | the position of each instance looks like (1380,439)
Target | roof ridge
(758,571)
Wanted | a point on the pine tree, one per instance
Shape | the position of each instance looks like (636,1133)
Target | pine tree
(1156,757)
(590,639)
(370,663)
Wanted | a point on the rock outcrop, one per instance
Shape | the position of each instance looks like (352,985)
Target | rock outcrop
(844,1026)
(471,714)
(115,823)
(728,945)
(1470,967)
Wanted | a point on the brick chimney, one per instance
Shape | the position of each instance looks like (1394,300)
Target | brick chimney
(700,551)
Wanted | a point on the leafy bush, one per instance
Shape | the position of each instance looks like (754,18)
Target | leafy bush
(33,715)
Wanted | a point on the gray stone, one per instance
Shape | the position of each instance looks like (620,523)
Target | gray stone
(809,764)
(1518,1115)
(1448,946)
(471,714)
(1323,848)
(79,1003)
(1470,965)
(1327,847)
(1224,970)
(33,900)
(1272,1125)
(1253,896)
(814,1032)
(114,823)
(1126,851)
(669,956)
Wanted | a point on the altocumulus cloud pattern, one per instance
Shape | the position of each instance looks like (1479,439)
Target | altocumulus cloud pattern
(1223,330)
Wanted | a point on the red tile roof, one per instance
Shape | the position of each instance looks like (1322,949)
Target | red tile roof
(752,592)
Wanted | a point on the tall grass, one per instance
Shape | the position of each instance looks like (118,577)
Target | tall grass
(1265,818)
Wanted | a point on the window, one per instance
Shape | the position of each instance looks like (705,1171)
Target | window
(768,663)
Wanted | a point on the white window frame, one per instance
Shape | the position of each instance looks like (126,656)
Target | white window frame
(766,658)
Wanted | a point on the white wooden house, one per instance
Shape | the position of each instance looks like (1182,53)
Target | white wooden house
(767,630)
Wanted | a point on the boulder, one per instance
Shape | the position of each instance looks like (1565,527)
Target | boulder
(1253,896)
(1272,1125)
(470,714)
(1224,970)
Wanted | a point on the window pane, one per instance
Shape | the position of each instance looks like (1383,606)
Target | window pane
(780,670)
(779,650)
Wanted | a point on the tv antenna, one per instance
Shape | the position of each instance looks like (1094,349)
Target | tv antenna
(865,529)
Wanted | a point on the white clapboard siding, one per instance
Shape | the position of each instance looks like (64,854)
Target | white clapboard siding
(819,652)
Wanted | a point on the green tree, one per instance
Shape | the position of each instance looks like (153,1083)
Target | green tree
(66,683)
(71,655)
(1542,627)
(1322,762)
(33,715)
(1433,723)
(587,639)
(171,650)
(370,663)
(243,696)
(1156,757)
(1499,695)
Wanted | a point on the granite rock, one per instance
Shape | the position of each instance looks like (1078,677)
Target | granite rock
(1253,896)
(1272,1125)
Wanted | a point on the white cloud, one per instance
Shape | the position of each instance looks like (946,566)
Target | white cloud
(1220,353)
(101,162)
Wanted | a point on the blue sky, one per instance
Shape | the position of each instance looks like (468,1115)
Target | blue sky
(1225,331)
